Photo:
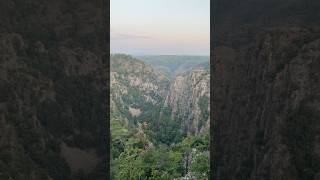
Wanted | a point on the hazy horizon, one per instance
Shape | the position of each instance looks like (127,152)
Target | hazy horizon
(206,55)
(160,27)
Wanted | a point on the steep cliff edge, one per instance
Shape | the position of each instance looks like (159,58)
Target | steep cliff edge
(159,126)
(137,90)
(188,99)
(143,94)
(265,107)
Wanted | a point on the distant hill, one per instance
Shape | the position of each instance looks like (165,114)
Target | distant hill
(172,65)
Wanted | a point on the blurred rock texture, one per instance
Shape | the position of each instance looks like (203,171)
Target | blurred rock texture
(53,83)
(265,90)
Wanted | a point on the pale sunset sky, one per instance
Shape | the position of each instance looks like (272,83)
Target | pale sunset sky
(160,27)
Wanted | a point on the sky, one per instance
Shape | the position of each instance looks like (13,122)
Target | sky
(160,27)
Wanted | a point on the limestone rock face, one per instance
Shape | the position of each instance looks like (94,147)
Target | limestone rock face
(143,93)
(137,90)
(128,73)
(266,107)
(188,99)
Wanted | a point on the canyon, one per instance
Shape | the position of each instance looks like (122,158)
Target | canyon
(158,111)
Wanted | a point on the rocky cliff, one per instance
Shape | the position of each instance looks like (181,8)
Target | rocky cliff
(158,125)
(265,107)
(188,99)
(137,89)
(144,94)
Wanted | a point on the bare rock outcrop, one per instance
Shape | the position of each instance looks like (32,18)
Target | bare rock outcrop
(188,99)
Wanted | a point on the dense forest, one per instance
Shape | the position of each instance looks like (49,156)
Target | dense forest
(149,140)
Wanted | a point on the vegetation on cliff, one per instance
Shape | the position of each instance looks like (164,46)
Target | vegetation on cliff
(151,144)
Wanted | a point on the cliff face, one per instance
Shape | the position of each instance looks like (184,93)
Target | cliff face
(188,99)
(141,93)
(266,107)
(137,90)
(129,72)
(53,90)
(151,115)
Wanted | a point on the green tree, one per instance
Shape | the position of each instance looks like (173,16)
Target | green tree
(200,166)
(130,165)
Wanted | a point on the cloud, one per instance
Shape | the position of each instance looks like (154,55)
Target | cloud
(122,36)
